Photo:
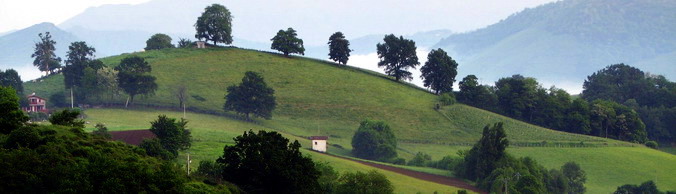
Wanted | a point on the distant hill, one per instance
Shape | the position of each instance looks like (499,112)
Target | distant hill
(16,47)
(568,40)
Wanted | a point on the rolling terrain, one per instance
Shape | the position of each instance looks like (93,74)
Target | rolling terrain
(320,98)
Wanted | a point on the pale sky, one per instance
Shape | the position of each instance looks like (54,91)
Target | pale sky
(19,14)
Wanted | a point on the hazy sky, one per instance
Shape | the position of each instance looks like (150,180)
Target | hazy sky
(456,15)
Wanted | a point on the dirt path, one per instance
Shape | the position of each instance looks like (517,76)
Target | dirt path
(444,180)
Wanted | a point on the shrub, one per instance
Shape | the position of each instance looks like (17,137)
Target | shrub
(652,144)
(447,98)
(38,116)
(101,131)
(359,182)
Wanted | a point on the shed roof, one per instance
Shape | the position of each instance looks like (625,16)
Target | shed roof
(319,138)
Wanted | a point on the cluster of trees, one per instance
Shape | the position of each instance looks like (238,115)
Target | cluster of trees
(86,77)
(374,140)
(63,158)
(525,99)
(646,187)
(266,162)
(172,136)
(493,169)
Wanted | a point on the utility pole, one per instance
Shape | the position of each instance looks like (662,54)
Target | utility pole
(184,110)
(71,98)
(188,164)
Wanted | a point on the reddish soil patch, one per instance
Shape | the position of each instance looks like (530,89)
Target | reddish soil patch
(134,137)
(444,180)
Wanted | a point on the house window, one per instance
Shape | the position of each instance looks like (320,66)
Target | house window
(315,143)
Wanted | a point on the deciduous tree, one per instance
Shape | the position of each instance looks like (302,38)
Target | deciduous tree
(11,117)
(159,41)
(252,96)
(339,48)
(134,77)
(287,42)
(374,140)
(172,134)
(439,71)
(397,55)
(45,59)
(215,24)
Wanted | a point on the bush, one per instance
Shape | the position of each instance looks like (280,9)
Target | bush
(67,117)
(374,140)
(154,148)
(420,159)
(359,182)
(652,144)
(38,116)
(101,131)
(447,98)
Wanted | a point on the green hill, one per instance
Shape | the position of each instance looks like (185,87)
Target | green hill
(321,98)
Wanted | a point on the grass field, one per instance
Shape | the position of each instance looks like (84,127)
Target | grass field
(606,167)
(211,133)
(321,98)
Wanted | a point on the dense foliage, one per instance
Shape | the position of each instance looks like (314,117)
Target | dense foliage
(172,134)
(372,182)
(11,78)
(252,96)
(397,55)
(439,71)
(215,24)
(646,187)
(134,77)
(11,116)
(496,171)
(80,71)
(287,42)
(67,117)
(339,48)
(374,140)
(265,162)
(45,59)
(159,41)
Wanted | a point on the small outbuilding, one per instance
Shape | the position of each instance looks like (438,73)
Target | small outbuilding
(201,44)
(319,143)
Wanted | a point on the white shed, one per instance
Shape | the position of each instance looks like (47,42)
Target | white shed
(319,143)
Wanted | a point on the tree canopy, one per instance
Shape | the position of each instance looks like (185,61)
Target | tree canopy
(287,42)
(79,57)
(374,140)
(397,55)
(172,134)
(45,59)
(133,77)
(252,96)
(159,41)
(439,71)
(11,78)
(339,48)
(67,117)
(11,116)
(265,162)
(215,24)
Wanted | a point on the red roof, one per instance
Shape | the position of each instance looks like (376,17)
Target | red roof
(134,137)
(319,138)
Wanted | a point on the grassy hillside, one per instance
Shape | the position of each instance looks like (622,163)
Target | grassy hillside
(606,167)
(320,98)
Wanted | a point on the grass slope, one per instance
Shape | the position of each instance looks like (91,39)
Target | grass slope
(211,133)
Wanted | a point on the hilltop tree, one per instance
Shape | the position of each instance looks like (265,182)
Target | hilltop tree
(159,41)
(11,117)
(252,96)
(374,140)
(172,134)
(266,162)
(439,71)
(133,77)
(45,59)
(397,55)
(339,48)
(11,78)
(79,57)
(215,24)
(288,42)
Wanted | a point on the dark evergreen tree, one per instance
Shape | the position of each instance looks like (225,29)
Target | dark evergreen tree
(397,55)
(215,24)
(133,77)
(339,48)
(483,158)
(45,59)
(252,96)
(288,42)
(439,71)
(266,162)
(159,41)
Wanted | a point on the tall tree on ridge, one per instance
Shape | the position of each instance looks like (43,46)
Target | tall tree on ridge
(439,71)
(339,48)
(215,24)
(397,55)
(45,59)
(133,77)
